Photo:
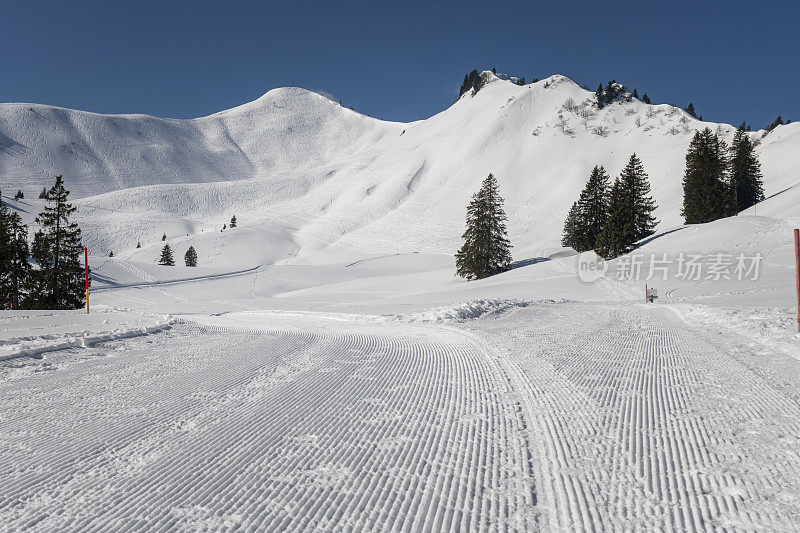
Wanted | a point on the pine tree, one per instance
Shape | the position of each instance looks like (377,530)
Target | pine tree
(18,265)
(745,175)
(486,250)
(646,99)
(570,231)
(111,254)
(139,244)
(233,221)
(598,94)
(592,209)
(190,257)
(57,250)
(690,110)
(630,211)
(637,185)
(166,256)
(43,194)
(706,190)
(617,233)
(164,237)
(5,255)
(19,195)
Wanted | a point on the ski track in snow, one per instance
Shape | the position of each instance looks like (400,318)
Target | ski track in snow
(645,423)
(552,415)
(228,428)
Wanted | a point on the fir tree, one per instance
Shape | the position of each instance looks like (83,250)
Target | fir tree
(630,211)
(43,194)
(636,94)
(19,195)
(166,256)
(111,254)
(18,265)
(57,250)
(646,99)
(570,232)
(139,244)
(190,257)
(233,221)
(745,175)
(690,110)
(637,185)
(706,193)
(5,255)
(617,233)
(592,209)
(598,94)
(164,237)
(486,250)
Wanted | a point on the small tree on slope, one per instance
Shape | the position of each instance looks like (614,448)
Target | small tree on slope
(190,257)
(166,256)
(233,221)
(706,189)
(745,179)
(57,250)
(486,250)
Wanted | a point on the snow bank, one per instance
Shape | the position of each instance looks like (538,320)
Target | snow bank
(33,333)
(466,310)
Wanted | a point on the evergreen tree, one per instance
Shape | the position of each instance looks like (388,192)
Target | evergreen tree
(190,257)
(646,99)
(18,265)
(570,232)
(617,233)
(57,250)
(706,193)
(233,221)
(166,256)
(19,195)
(111,254)
(637,185)
(745,176)
(5,255)
(43,194)
(486,250)
(636,94)
(690,110)
(598,94)
(630,209)
(592,209)
(139,244)
(164,237)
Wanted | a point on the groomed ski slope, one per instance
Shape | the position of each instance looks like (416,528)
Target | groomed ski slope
(545,416)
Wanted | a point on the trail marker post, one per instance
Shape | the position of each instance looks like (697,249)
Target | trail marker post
(86,272)
(797,272)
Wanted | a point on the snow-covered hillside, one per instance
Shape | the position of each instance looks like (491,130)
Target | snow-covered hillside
(305,175)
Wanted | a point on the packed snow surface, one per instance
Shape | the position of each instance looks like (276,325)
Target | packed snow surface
(323,368)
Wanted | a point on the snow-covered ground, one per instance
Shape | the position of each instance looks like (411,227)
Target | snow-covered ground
(323,368)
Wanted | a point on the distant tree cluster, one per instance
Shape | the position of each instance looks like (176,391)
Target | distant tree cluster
(609,94)
(472,82)
(57,280)
(720,181)
(610,219)
(777,122)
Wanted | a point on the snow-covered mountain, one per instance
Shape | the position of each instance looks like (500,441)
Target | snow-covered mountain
(306,176)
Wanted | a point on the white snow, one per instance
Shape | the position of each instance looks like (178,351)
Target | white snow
(323,368)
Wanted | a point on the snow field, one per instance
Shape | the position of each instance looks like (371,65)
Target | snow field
(645,422)
(286,427)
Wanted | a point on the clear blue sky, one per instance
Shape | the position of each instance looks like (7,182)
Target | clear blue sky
(399,61)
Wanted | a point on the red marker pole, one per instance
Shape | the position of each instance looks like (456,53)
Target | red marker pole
(797,272)
(86,271)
